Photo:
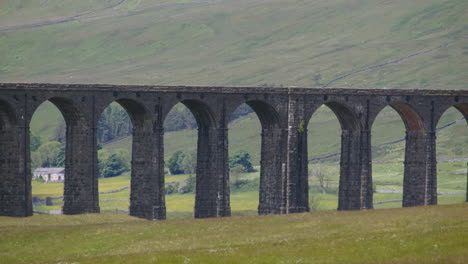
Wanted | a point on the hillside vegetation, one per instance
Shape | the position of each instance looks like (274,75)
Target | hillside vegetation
(436,234)
(236,42)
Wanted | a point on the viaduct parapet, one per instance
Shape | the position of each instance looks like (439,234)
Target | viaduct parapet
(283,112)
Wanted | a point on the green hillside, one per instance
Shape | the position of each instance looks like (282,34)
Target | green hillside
(236,42)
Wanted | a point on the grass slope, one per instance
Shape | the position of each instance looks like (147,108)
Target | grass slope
(240,42)
(436,234)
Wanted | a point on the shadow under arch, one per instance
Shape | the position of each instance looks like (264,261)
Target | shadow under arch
(271,153)
(345,116)
(70,112)
(7,115)
(463,108)
(15,183)
(202,113)
(419,177)
(355,182)
(137,112)
(410,117)
(268,116)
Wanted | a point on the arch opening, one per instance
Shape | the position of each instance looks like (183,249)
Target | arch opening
(271,154)
(324,147)
(452,155)
(180,155)
(80,186)
(244,156)
(114,152)
(388,156)
(47,145)
(418,177)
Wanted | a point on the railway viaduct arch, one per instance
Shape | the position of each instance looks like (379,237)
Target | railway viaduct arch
(283,112)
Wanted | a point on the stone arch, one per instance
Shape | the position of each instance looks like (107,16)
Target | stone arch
(355,181)
(388,126)
(410,117)
(212,186)
(271,166)
(462,108)
(419,186)
(456,148)
(345,115)
(72,114)
(146,178)
(137,111)
(80,182)
(267,114)
(202,112)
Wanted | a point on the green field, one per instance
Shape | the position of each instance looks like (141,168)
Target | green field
(435,234)
(244,201)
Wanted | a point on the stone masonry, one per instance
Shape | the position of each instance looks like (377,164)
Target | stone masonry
(283,112)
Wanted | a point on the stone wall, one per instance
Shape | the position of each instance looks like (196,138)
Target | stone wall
(283,112)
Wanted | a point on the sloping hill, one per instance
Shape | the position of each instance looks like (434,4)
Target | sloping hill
(236,42)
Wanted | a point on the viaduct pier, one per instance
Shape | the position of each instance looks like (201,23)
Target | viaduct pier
(283,112)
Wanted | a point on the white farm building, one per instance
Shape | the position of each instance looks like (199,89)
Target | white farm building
(50,174)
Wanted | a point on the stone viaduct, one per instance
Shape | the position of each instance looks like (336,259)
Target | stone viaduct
(283,112)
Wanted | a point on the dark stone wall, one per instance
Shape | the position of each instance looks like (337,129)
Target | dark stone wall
(283,112)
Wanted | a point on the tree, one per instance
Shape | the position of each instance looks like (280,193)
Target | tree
(189,184)
(60,132)
(180,117)
(241,158)
(112,164)
(50,154)
(189,163)
(175,162)
(113,123)
(35,142)
(235,173)
(321,177)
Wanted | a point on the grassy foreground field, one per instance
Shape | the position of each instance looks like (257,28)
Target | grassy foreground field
(436,234)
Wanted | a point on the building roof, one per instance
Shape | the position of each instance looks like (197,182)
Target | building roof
(50,170)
